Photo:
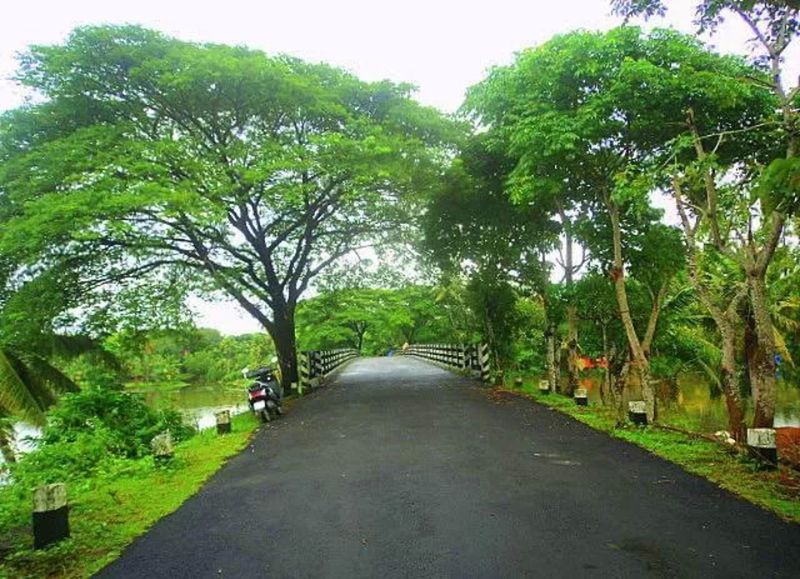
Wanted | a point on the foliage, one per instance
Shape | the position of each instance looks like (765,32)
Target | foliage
(373,320)
(90,428)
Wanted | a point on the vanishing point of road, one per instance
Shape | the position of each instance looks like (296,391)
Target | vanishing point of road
(401,469)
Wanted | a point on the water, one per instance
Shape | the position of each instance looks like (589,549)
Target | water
(693,407)
(199,402)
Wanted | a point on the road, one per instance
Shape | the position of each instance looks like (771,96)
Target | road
(401,469)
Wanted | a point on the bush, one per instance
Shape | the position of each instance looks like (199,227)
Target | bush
(121,420)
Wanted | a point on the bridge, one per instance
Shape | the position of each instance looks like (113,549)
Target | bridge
(400,468)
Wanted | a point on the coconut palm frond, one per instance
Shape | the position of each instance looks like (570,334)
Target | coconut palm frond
(71,346)
(20,392)
(710,372)
(51,377)
(780,346)
(7,437)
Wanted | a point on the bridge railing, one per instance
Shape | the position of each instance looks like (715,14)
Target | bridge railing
(314,365)
(472,358)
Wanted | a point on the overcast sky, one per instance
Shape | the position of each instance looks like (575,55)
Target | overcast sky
(441,46)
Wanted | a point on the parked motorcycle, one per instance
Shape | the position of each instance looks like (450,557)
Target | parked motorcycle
(263,395)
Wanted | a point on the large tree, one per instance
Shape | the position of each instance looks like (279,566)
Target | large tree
(142,155)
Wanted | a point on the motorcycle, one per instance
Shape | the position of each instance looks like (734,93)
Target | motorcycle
(263,394)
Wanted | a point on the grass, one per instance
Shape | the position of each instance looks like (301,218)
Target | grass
(777,490)
(110,510)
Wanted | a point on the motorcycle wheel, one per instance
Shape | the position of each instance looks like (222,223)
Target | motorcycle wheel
(265,415)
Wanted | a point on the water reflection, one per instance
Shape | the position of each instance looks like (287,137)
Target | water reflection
(198,403)
(691,403)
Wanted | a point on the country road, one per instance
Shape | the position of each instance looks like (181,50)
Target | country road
(401,469)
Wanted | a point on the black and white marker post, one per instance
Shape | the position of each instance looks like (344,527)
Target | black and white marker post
(50,515)
(762,444)
(637,412)
(223,419)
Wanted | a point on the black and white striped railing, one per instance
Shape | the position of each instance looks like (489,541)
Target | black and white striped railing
(314,365)
(473,358)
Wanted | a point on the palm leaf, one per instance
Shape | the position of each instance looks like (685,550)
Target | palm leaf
(72,346)
(29,385)
(18,394)
(780,346)
(713,375)
(56,381)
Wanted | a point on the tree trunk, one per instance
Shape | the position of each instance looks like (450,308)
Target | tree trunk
(282,333)
(762,366)
(572,311)
(730,382)
(573,373)
(750,345)
(642,372)
(618,392)
(605,389)
(724,316)
(550,346)
(639,361)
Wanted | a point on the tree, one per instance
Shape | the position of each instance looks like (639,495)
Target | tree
(246,173)
(372,320)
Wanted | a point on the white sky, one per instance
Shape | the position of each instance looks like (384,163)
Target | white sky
(441,46)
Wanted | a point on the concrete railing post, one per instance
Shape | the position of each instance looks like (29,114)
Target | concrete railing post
(581,397)
(304,364)
(544,387)
(483,361)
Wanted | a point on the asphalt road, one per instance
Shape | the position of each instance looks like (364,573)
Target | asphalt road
(401,469)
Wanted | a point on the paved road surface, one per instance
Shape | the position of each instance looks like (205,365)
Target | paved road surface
(401,469)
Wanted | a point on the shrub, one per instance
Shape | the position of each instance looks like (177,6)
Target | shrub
(121,420)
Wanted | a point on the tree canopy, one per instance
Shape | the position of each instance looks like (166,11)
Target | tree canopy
(145,156)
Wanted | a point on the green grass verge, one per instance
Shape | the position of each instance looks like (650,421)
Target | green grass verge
(777,491)
(111,509)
